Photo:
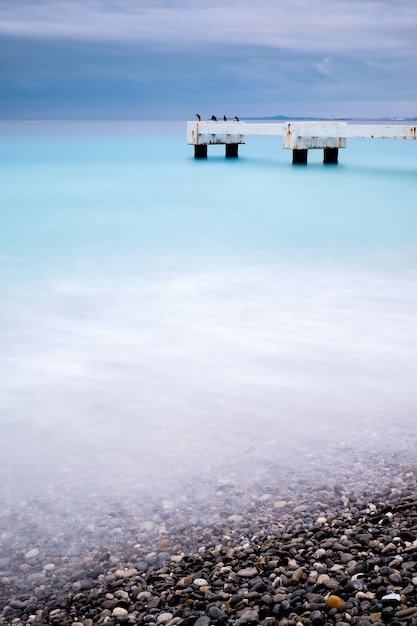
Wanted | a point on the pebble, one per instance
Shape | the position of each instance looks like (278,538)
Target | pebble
(247,572)
(334,602)
(391,598)
(249,616)
(251,554)
(119,611)
(203,620)
(49,567)
(126,573)
(164,618)
(200,582)
(302,508)
(32,554)
(280,504)
(177,558)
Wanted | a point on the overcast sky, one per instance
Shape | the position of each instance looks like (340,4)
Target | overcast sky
(169,59)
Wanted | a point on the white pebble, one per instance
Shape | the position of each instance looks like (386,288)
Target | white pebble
(280,504)
(176,558)
(119,611)
(200,582)
(32,554)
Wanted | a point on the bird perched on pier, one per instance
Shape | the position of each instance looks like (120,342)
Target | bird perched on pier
(198,118)
(235,119)
(213,118)
(225,118)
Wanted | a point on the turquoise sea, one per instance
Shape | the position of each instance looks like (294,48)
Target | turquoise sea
(160,312)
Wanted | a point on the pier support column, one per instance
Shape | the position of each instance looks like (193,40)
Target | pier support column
(299,156)
(231,150)
(331,155)
(200,151)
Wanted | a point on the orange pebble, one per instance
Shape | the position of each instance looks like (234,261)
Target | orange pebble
(334,602)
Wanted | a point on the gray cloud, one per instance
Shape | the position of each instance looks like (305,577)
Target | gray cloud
(329,25)
(115,58)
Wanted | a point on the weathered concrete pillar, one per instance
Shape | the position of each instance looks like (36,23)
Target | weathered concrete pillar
(231,150)
(299,156)
(200,151)
(331,155)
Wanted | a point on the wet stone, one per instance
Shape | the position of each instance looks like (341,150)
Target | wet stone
(395,579)
(217,614)
(317,618)
(203,620)
(200,582)
(119,611)
(247,572)
(322,557)
(248,616)
(32,554)
(164,618)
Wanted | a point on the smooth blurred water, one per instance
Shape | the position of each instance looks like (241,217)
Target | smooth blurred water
(161,309)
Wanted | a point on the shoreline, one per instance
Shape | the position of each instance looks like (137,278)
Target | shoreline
(232,553)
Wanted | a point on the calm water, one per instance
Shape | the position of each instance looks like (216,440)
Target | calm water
(158,311)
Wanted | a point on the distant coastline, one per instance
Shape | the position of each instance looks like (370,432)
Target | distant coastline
(285,118)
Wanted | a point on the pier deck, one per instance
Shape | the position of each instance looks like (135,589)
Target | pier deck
(297,136)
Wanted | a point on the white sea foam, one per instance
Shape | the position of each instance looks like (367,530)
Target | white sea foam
(201,366)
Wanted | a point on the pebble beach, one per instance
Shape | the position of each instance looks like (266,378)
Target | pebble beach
(334,542)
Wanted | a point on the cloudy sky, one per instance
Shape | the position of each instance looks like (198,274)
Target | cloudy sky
(168,59)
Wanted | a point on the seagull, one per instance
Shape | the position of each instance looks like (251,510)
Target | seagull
(235,119)
(198,118)
(213,118)
(225,118)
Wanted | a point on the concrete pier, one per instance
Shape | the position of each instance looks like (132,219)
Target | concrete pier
(300,137)
(331,155)
(200,151)
(299,157)
(232,150)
